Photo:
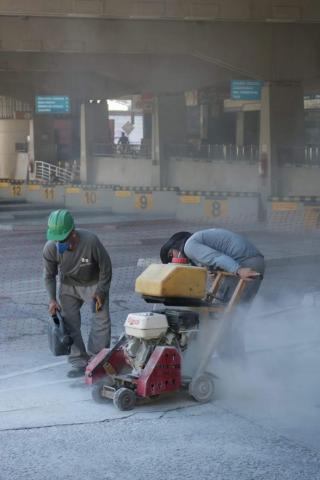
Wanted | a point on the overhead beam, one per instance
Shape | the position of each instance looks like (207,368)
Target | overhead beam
(186,10)
(134,73)
(82,87)
(267,52)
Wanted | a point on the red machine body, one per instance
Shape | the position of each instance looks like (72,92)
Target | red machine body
(162,372)
(106,362)
(147,359)
(95,370)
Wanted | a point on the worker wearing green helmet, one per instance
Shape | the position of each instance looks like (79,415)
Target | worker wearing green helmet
(60,225)
(84,268)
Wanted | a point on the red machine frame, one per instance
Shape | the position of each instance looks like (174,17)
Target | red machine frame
(111,370)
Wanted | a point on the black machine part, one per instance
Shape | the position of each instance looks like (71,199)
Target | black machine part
(59,338)
(177,302)
(180,320)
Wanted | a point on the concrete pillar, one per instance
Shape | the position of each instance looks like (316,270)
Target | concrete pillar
(31,154)
(155,145)
(97,122)
(281,132)
(147,126)
(83,144)
(240,129)
(168,129)
(204,121)
(11,132)
(94,134)
(45,149)
(31,141)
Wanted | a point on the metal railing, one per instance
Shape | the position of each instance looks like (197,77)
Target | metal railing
(307,155)
(229,153)
(312,154)
(126,150)
(48,172)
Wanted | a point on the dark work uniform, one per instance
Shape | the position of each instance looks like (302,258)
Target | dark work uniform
(83,272)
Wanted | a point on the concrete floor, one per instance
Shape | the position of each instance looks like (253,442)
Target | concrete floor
(263,424)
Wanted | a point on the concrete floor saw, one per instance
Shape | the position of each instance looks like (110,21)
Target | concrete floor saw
(169,348)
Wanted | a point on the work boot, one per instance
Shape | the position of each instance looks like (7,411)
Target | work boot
(76,372)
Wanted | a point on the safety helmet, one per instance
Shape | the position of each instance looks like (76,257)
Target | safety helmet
(60,225)
(177,241)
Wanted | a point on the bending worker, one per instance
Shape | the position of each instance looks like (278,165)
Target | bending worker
(220,249)
(85,271)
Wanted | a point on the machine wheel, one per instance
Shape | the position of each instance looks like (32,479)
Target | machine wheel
(97,389)
(124,399)
(201,388)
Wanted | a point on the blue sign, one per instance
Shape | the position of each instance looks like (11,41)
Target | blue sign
(52,104)
(246,89)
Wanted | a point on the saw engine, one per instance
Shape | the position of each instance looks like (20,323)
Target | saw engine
(145,331)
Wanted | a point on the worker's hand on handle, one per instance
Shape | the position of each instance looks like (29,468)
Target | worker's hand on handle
(53,307)
(247,274)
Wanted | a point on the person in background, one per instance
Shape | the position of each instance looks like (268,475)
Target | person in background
(220,249)
(123,142)
(84,268)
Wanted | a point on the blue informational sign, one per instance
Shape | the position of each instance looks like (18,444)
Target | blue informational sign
(246,89)
(52,104)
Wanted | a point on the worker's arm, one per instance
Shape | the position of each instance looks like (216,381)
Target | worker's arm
(50,271)
(105,271)
(204,255)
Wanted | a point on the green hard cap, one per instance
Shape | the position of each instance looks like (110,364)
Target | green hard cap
(60,224)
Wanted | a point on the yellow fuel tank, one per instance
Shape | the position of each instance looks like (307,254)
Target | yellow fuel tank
(171,280)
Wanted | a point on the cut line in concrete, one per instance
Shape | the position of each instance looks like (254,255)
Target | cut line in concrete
(32,370)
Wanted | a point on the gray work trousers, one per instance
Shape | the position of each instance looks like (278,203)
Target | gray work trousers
(233,343)
(71,300)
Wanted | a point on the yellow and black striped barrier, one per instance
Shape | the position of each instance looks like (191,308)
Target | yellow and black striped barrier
(12,190)
(50,194)
(302,212)
(144,200)
(237,207)
(89,196)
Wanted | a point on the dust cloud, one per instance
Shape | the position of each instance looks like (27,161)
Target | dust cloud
(277,382)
